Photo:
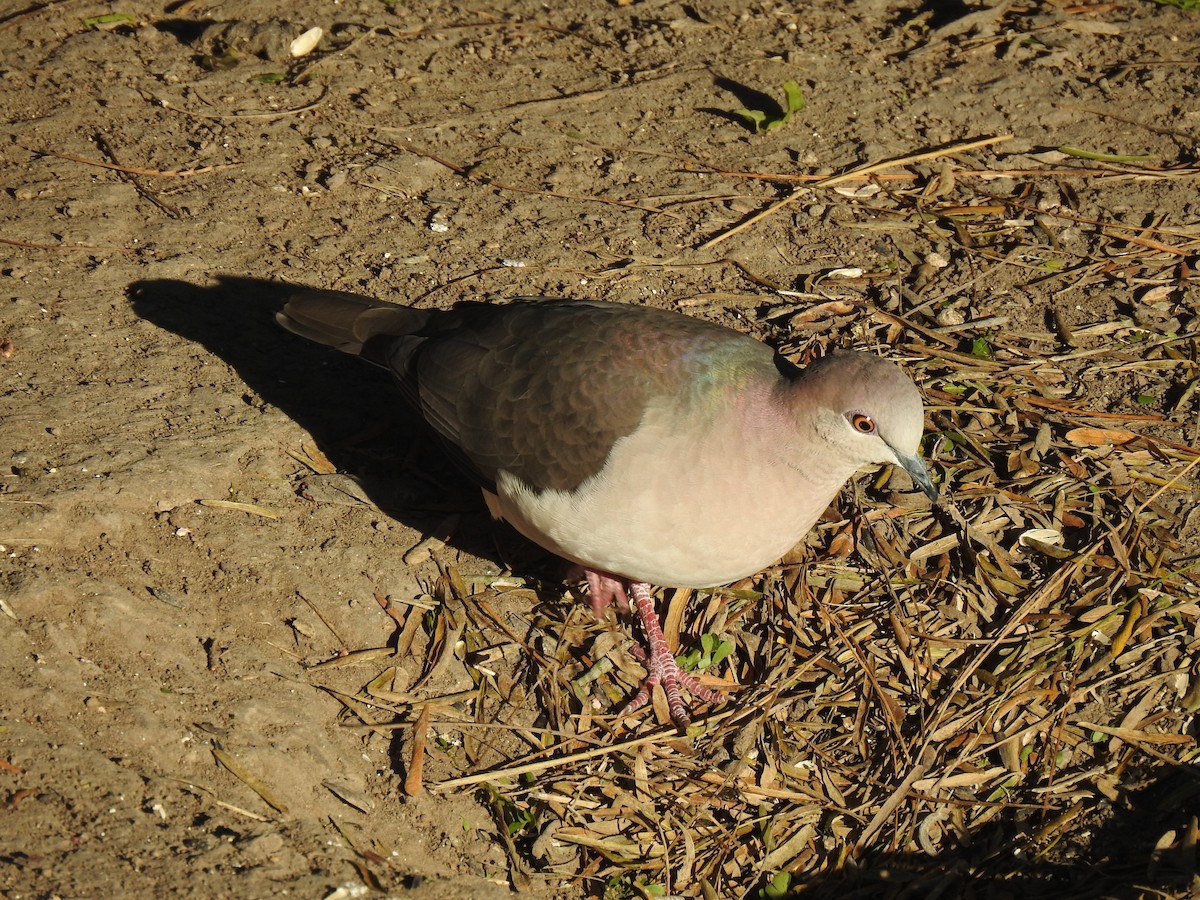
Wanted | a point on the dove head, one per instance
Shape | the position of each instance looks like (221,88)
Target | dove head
(867,410)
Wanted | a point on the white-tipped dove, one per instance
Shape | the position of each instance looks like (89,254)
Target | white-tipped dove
(647,446)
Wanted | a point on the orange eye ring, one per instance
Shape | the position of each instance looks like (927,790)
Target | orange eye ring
(861,422)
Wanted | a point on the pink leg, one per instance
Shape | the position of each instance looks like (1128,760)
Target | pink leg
(661,667)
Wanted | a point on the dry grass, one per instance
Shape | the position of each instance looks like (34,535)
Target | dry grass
(990,698)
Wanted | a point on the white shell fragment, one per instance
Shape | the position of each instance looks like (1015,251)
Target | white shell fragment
(307,42)
(859,191)
(1044,540)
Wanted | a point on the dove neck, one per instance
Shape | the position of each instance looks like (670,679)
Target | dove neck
(806,425)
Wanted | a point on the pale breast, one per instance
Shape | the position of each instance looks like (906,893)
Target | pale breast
(686,510)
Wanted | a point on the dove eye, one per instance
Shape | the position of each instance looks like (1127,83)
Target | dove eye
(861,422)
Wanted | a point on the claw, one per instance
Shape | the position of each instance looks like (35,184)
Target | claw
(605,590)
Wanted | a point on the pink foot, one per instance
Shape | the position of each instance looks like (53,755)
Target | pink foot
(605,590)
(661,667)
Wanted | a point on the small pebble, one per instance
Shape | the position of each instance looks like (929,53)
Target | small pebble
(950,316)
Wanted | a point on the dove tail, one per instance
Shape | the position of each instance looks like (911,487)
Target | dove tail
(347,321)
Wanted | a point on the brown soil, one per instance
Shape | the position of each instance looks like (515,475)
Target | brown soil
(429,153)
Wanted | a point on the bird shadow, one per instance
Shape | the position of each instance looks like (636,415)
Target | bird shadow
(352,410)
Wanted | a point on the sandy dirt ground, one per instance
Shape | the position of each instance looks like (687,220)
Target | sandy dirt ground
(168,173)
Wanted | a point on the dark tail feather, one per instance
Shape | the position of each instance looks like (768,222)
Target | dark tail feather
(347,321)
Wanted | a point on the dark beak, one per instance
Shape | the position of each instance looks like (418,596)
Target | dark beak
(915,467)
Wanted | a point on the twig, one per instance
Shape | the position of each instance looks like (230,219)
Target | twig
(133,170)
(662,735)
(66,248)
(659,736)
(21,15)
(341,643)
(896,798)
(144,191)
(860,172)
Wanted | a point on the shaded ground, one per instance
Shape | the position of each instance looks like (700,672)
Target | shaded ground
(162,181)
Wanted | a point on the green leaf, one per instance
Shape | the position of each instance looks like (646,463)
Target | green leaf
(1146,400)
(981,349)
(762,121)
(778,886)
(794,99)
(1002,790)
(709,652)
(1100,157)
(269,78)
(719,651)
(755,118)
(1189,5)
(109,22)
